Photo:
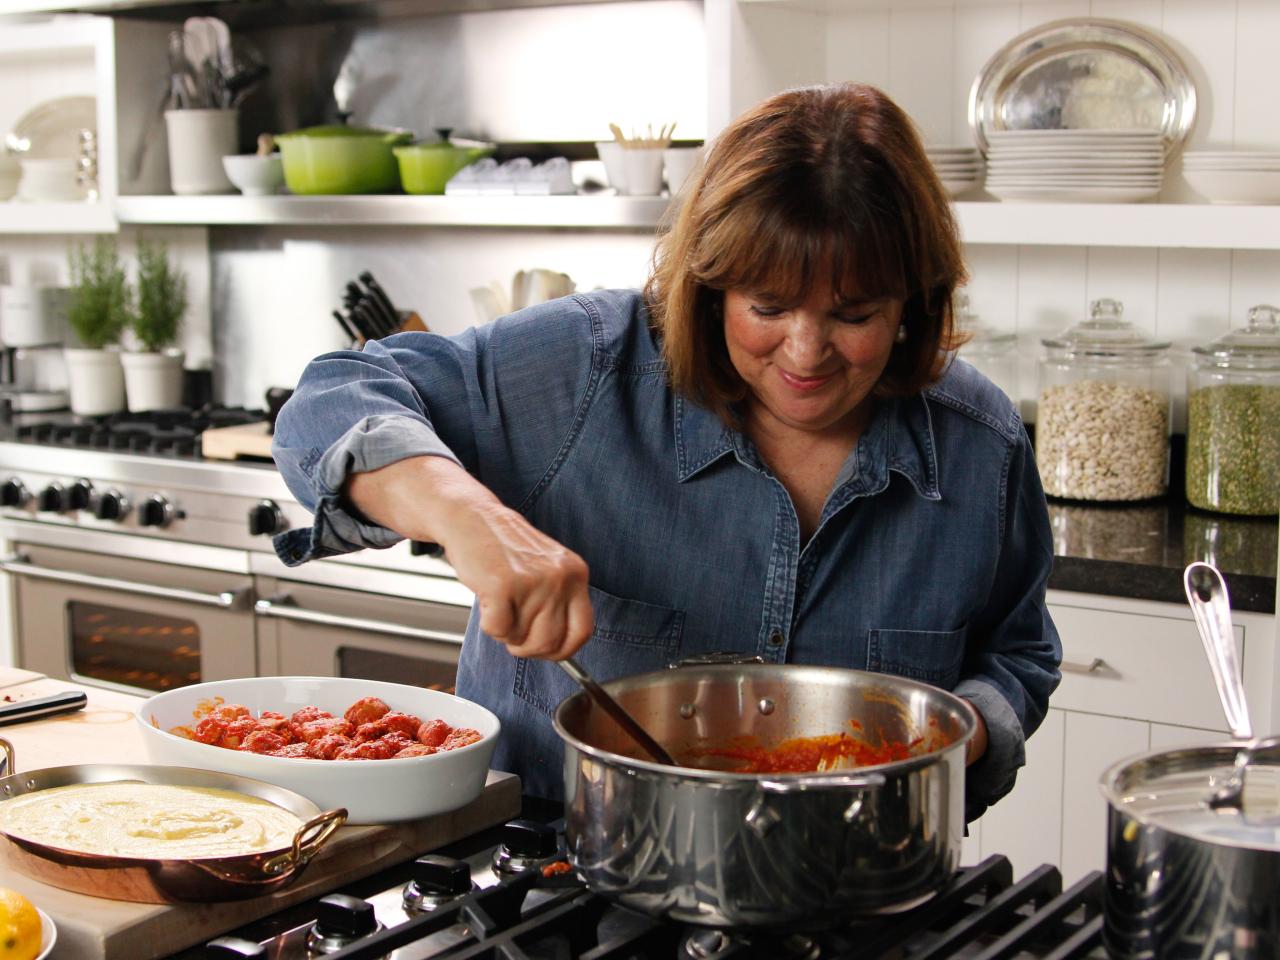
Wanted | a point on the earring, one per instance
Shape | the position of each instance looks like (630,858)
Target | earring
(901,336)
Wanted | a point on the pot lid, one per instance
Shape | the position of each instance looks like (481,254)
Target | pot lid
(982,338)
(1172,789)
(1257,344)
(1105,332)
(340,132)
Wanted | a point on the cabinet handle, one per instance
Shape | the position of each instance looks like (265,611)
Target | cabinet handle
(283,609)
(227,599)
(1096,665)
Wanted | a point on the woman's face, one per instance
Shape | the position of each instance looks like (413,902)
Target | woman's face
(811,365)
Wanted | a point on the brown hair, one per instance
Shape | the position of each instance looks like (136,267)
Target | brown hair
(830,175)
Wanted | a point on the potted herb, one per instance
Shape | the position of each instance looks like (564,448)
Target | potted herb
(153,373)
(97,313)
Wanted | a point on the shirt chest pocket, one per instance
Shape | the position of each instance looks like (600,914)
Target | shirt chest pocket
(934,656)
(630,637)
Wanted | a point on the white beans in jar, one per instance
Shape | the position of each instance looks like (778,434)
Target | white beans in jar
(1100,440)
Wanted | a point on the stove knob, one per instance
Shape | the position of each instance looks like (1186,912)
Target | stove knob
(111,506)
(420,548)
(234,948)
(340,920)
(52,499)
(526,844)
(13,493)
(436,880)
(80,496)
(155,511)
(265,519)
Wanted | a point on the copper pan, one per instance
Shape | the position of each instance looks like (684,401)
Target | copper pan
(146,880)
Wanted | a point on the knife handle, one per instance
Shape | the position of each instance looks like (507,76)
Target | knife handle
(23,710)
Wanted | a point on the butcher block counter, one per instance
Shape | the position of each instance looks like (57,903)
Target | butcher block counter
(97,929)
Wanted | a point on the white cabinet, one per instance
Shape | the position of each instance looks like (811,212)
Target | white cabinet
(1153,690)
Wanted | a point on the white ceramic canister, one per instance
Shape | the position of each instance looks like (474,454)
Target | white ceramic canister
(32,316)
(198,140)
(96,379)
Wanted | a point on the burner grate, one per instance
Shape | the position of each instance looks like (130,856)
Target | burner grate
(982,914)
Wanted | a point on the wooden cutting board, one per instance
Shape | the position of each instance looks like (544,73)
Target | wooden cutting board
(95,929)
(233,443)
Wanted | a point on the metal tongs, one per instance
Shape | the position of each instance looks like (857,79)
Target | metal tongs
(1207,594)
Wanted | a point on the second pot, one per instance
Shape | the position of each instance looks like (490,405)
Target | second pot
(734,849)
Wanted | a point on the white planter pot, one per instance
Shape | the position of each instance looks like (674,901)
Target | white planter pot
(96,380)
(153,381)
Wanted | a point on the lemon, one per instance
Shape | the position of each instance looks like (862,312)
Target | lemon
(19,927)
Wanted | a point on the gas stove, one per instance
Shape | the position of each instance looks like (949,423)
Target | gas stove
(163,433)
(492,896)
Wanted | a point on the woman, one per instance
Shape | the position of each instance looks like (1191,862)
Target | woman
(766,451)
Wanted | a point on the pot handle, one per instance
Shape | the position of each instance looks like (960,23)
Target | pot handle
(851,781)
(1231,794)
(320,828)
(8,769)
(762,818)
(716,657)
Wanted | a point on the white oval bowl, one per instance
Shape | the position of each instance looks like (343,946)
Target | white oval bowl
(373,791)
(1235,186)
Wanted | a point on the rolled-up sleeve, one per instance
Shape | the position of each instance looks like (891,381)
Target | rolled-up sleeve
(417,394)
(1013,668)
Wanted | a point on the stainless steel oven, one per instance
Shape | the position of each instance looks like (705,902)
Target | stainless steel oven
(147,573)
(126,611)
(351,619)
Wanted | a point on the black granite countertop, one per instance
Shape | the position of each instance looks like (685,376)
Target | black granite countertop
(1139,550)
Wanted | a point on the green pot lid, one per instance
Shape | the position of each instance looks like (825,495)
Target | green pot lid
(1105,332)
(337,132)
(1255,345)
(982,338)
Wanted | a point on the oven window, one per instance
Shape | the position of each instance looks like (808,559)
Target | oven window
(134,648)
(376,665)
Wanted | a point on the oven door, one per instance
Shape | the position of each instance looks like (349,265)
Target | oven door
(115,620)
(310,629)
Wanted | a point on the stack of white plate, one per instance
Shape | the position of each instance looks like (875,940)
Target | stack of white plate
(1083,166)
(959,168)
(1234,176)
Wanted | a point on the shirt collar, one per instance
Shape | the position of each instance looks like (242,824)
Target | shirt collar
(899,438)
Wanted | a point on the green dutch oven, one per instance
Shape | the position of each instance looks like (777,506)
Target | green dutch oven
(320,160)
(427,167)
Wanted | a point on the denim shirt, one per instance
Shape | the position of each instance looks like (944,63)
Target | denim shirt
(929,561)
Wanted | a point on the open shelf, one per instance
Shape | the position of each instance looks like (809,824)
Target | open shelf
(1061,224)
(19,217)
(601,211)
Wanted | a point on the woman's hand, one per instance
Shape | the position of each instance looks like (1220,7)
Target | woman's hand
(532,591)
(977,745)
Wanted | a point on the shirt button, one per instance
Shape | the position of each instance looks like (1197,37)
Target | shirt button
(776,639)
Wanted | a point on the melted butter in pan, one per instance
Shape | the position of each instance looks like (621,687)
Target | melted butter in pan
(147,820)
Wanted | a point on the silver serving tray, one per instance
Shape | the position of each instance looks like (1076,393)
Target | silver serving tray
(1084,74)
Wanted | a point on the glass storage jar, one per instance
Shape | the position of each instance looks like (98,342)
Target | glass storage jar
(1102,423)
(1233,419)
(993,352)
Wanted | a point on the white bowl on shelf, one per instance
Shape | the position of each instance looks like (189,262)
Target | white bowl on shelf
(373,791)
(255,175)
(1235,186)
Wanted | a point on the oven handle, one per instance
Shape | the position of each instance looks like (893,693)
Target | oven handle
(227,599)
(283,608)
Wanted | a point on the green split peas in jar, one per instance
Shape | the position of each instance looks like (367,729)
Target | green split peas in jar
(1233,419)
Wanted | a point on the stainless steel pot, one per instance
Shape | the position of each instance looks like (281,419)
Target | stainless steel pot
(155,880)
(1189,872)
(749,850)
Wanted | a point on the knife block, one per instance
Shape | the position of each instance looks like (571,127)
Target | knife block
(410,322)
